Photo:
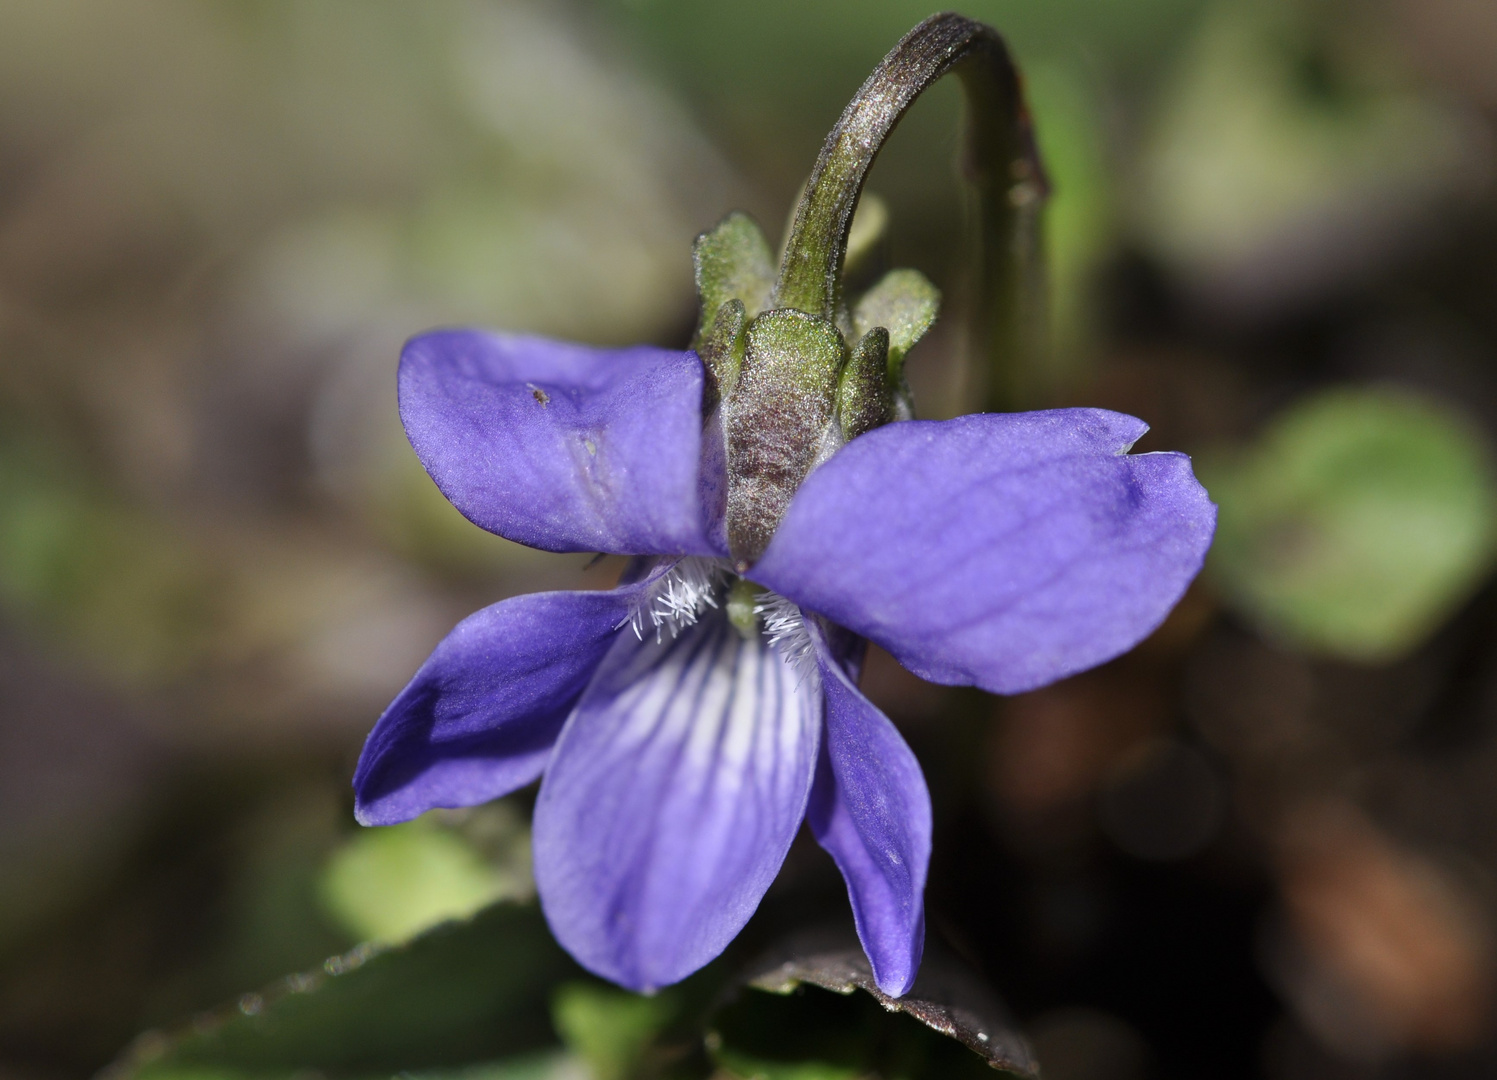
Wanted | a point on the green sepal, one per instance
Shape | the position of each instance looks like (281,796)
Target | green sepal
(1360,520)
(865,400)
(721,351)
(906,303)
(776,420)
(733,261)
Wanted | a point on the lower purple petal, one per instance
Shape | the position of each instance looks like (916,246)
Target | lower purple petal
(481,715)
(675,791)
(871,811)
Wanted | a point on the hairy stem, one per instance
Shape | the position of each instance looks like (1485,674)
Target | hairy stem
(1000,161)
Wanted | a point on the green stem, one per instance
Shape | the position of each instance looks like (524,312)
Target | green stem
(1000,161)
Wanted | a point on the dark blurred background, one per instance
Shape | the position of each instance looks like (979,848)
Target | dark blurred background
(1262,845)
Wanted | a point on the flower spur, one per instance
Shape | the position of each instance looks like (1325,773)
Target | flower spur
(685,723)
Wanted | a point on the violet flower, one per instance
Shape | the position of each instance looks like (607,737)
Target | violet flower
(686,722)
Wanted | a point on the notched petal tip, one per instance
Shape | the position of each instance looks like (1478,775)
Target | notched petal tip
(1000,550)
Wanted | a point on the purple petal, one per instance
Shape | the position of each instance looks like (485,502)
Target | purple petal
(480,717)
(871,811)
(561,446)
(1004,550)
(676,789)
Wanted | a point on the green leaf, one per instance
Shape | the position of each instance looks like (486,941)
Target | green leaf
(121,587)
(1358,522)
(546,1065)
(905,303)
(609,1029)
(1079,225)
(733,262)
(822,1017)
(1269,128)
(463,993)
(389,884)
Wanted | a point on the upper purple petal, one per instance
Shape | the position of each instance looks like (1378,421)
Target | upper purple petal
(1002,550)
(481,715)
(871,811)
(561,446)
(675,791)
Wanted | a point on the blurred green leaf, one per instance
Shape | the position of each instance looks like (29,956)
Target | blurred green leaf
(1278,129)
(389,884)
(550,1065)
(407,508)
(609,1029)
(546,1065)
(1359,520)
(1079,226)
(463,993)
(118,585)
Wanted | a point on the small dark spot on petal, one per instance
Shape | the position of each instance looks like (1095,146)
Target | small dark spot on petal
(540,395)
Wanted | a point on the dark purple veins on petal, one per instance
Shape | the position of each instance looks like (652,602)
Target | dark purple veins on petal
(674,793)
(561,446)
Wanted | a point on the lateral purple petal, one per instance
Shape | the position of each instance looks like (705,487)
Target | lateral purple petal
(481,715)
(871,811)
(560,446)
(1001,550)
(673,796)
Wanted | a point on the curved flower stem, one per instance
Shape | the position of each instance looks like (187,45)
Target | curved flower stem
(1000,161)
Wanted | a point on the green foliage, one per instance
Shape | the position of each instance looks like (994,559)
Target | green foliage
(1272,127)
(463,993)
(469,1001)
(1079,225)
(820,1016)
(115,584)
(1357,522)
(609,1029)
(389,884)
(816,1034)
(547,1065)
